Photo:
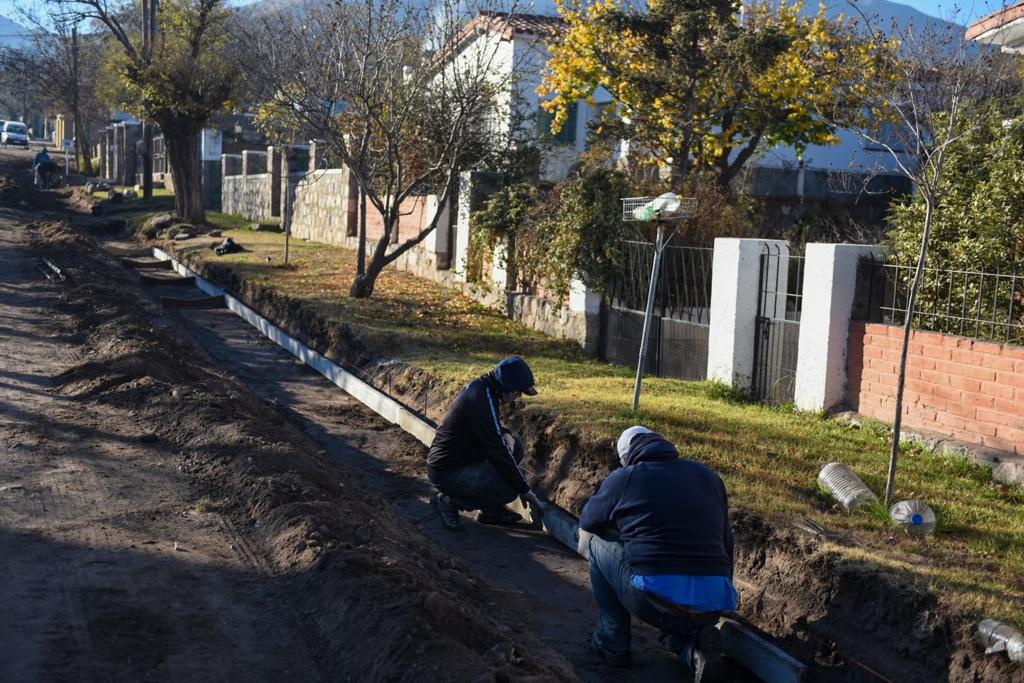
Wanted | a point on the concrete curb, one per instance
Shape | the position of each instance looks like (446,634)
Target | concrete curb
(766,660)
(1007,468)
(385,406)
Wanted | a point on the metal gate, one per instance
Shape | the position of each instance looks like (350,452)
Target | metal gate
(777,326)
(678,345)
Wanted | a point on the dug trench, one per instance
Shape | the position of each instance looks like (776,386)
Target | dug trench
(119,433)
(849,620)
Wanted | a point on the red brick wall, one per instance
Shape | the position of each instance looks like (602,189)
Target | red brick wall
(413,219)
(970,390)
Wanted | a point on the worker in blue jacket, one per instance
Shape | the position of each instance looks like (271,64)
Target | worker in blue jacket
(473,461)
(672,560)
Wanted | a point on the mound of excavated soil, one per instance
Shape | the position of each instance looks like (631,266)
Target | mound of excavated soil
(383,601)
(851,621)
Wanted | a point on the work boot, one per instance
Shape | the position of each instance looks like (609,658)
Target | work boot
(615,658)
(498,516)
(703,656)
(447,511)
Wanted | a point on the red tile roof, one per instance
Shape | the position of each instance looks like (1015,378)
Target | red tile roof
(505,24)
(508,24)
(996,20)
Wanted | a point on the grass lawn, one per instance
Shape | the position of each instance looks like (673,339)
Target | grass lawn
(768,457)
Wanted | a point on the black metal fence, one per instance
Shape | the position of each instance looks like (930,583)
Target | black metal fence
(678,346)
(968,303)
(777,326)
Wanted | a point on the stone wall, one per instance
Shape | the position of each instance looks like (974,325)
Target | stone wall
(247,196)
(322,206)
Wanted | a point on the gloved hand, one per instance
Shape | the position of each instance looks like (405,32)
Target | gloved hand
(510,441)
(532,503)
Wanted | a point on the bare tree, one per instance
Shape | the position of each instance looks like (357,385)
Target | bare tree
(396,93)
(916,111)
(64,67)
(178,78)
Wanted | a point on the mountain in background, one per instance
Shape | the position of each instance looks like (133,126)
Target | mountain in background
(13,35)
(884,14)
(881,13)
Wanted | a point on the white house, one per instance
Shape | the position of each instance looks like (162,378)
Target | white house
(513,48)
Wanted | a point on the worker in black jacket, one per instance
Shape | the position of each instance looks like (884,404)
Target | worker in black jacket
(473,461)
(670,563)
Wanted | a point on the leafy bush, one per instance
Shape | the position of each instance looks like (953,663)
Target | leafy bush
(978,227)
(570,231)
(978,223)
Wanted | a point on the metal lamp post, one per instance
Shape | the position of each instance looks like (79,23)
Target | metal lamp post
(664,209)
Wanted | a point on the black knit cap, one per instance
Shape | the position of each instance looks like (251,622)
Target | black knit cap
(515,375)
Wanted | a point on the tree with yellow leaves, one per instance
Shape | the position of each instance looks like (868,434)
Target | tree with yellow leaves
(700,85)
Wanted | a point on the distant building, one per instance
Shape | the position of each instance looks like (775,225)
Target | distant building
(1004,28)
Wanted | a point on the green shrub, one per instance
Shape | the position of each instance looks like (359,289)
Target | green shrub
(553,235)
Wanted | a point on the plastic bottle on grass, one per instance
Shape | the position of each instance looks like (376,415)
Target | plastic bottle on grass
(913,515)
(845,486)
(996,636)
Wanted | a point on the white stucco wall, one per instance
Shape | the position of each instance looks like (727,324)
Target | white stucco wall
(735,289)
(830,279)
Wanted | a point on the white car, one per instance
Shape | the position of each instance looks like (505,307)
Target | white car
(14,133)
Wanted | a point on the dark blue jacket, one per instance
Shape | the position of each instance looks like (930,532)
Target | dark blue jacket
(471,433)
(672,514)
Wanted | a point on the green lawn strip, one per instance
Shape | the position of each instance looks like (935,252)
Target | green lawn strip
(769,457)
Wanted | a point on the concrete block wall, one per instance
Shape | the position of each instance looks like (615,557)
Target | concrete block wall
(247,196)
(967,389)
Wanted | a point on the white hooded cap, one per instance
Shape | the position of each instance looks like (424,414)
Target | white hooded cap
(622,446)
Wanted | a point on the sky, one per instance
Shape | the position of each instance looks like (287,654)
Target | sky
(968,11)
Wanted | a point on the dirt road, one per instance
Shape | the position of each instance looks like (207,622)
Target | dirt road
(107,570)
(157,522)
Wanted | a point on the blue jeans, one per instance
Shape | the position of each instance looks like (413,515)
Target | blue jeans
(474,487)
(617,599)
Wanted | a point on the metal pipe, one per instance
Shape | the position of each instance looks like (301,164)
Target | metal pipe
(648,315)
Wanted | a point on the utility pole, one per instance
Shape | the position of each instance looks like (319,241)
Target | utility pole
(76,119)
(149,28)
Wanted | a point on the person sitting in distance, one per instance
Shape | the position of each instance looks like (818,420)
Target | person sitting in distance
(43,166)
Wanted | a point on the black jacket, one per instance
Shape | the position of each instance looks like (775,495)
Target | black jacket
(672,514)
(471,432)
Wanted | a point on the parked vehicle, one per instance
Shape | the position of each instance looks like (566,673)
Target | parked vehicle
(14,133)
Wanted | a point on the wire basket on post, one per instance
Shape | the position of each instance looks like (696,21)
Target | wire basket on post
(666,208)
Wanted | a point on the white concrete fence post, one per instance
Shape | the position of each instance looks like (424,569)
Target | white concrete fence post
(830,281)
(735,287)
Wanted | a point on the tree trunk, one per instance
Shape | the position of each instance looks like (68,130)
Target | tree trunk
(82,145)
(183,157)
(362,286)
(890,482)
(361,250)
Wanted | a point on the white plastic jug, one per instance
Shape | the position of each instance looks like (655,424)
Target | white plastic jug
(913,515)
(845,486)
